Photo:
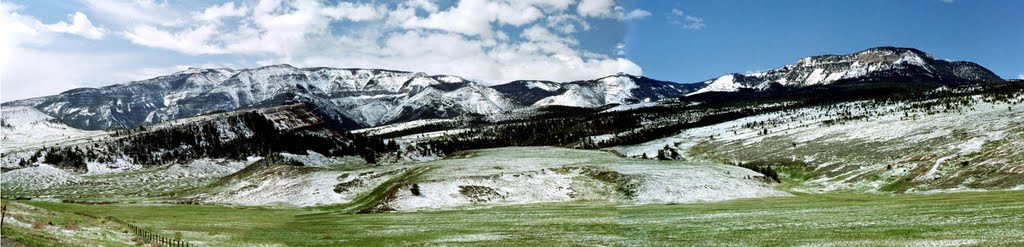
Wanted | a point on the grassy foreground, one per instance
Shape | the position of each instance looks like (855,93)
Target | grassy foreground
(969,218)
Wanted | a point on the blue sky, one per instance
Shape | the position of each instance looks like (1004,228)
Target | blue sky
(762,35)
(53,46)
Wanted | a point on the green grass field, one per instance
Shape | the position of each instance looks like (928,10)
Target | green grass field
(959,219)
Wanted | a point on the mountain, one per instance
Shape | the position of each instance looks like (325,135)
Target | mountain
(613,89)
(233,135)
(348,98)
(881,64)
(352,98)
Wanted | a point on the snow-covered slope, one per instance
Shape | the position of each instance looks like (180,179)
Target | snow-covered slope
(129,104)
(975,144)
(542,174)
(872,65)
(25,127)
(502,176)
(42,176)
(292,185)
(613,89)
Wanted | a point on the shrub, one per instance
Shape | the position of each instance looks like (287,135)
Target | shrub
(415,189)
(38,225)
(73,226)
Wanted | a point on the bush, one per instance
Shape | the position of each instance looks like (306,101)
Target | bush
(38,225)
(73,226)
(763,169)
(415,189)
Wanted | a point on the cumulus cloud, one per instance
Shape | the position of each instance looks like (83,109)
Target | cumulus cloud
(354,12)
(608,9)
(217,12)
(26,67)
(628,67)
(465,39)
(80,25)
(475,17)
(190,41)
(596,8)
(491,41)
(567,23)
(137,12)
(20,29)
(1020,76)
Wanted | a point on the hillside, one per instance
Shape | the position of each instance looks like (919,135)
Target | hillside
(948,139)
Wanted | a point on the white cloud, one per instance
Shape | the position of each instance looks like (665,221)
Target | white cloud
(354,12)
(947,1)
(608,9)
(217,12)
(636,14)
(465,39)
(693,23)
(426,5)
(19,29)
(27,69)
(1020,76)
(678,17)
(492,41)
(567,23)
(475,17)
(628,67)
(596,8)
(134,12)
(22,29)
(80,25)
(541,55)
(191,41)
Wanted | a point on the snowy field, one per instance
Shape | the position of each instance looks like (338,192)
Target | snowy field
(521,175)
(503,176)
(26,127)
(146,184)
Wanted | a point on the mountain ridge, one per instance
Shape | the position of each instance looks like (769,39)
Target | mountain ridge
(354,98)
(877,64)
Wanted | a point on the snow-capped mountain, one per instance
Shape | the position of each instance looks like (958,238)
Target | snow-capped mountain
(368,97)
(129,104)
(881,64)
(613,89)
(352,97)
(357,98)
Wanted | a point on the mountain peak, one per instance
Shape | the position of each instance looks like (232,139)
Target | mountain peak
(882,54)
(892,49)
(879,64)
(197,70)
(274,66)
(615,76)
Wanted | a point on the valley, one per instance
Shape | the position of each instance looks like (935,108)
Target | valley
(886,146)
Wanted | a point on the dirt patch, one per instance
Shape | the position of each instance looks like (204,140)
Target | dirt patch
(480,194)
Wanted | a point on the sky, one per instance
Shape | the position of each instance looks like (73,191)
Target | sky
(53,46)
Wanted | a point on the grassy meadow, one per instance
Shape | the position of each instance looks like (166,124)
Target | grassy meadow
(957,219)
